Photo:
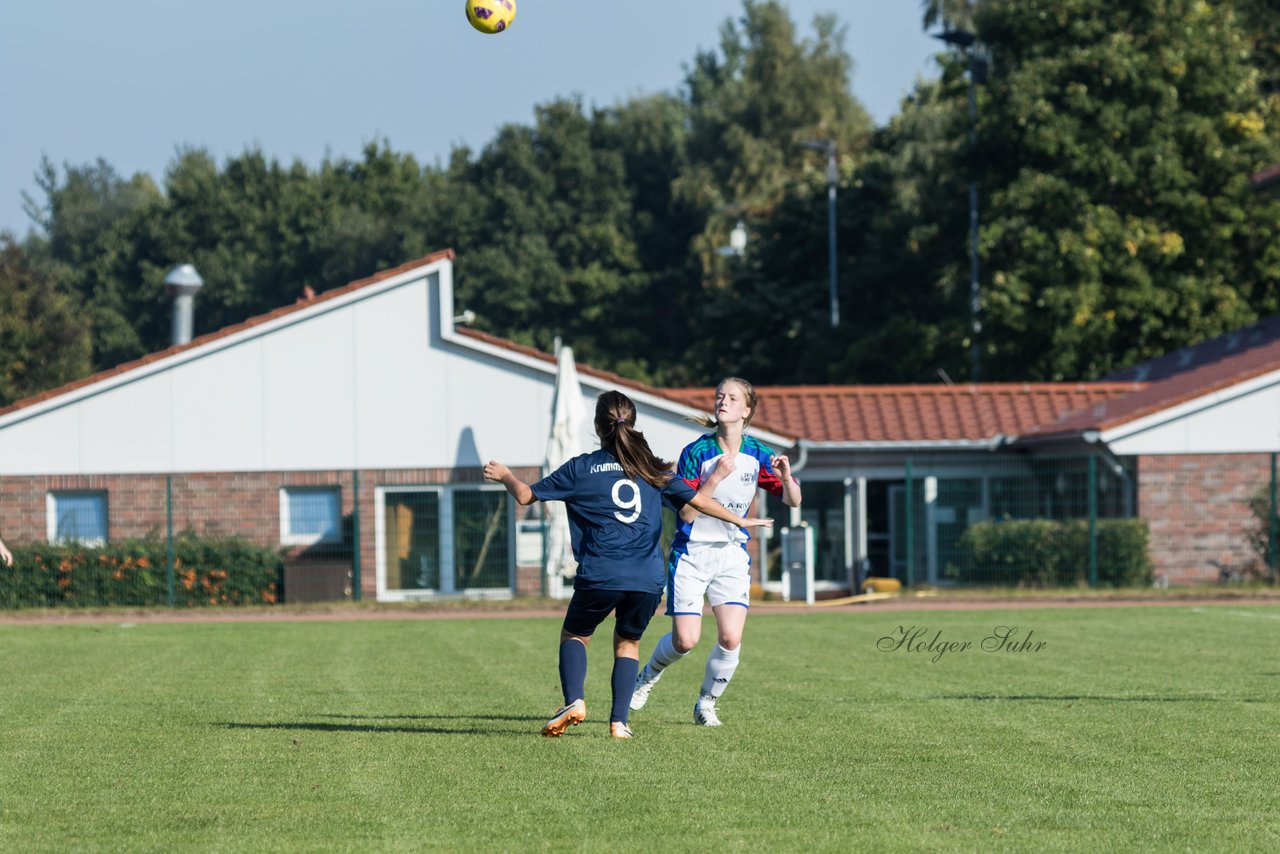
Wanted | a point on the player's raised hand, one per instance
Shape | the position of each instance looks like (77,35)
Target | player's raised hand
(781,465)
(724,467)
(495,471)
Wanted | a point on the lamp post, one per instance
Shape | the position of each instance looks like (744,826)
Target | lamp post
(828,146)
(967,42)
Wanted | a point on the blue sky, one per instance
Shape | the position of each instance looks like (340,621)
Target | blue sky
(133,81)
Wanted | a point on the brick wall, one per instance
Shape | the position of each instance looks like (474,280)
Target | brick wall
(1196,507)
(244,504)
(247,505)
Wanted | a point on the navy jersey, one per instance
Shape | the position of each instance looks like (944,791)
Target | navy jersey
(615,522)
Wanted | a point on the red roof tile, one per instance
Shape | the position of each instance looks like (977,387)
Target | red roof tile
(917,413)
(1266,178)
(1183,376)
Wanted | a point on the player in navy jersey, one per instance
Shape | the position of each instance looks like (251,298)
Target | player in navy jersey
(709,557)
(614,497)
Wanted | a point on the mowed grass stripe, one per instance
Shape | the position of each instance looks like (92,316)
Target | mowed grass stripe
(1131,728)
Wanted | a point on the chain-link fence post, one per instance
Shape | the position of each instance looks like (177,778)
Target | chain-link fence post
(1093,521)
(168,515)
(1273,554)
(355,535)
(545,554)
(909,512)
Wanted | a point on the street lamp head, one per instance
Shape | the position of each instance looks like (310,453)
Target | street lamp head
(826,146)
(958,38)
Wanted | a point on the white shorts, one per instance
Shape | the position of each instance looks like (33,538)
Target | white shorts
(719,571)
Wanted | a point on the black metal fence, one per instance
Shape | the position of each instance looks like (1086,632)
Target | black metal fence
(1081,520)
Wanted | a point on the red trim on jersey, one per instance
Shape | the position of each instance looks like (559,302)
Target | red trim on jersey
(769,480)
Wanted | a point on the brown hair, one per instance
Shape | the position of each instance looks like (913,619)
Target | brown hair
(753,400)
(616,427)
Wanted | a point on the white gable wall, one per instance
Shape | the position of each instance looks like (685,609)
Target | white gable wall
(217,414)
(129,426)
(374,379)
(1242,419)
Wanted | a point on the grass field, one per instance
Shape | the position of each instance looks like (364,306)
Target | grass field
(1131,728)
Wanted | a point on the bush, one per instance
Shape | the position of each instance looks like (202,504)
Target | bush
(1047,553)
(206,571)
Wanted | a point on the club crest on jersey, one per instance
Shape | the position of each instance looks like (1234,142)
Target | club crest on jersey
(748,477)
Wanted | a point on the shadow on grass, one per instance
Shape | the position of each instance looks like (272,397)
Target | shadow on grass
(435,717)
(324,726)
(1101,698)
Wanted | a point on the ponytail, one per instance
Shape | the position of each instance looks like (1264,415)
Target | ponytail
(615,424)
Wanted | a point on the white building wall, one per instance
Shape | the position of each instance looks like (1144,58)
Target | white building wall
(374,379)
(128,426)
(52,440)
(1235,421)
(217,414)
(308,392)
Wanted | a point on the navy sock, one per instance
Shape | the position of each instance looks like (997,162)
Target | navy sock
(573,669)
(624,682)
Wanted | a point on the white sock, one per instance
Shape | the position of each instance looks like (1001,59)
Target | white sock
(720,666)
(664,653)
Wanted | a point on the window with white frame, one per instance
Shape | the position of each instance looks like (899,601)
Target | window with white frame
(79,517)
(444,540)
(310,516)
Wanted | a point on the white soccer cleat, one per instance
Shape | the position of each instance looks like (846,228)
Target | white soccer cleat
(704,711)
(645,680)
(617,729)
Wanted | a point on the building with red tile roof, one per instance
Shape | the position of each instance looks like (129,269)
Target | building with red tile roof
(377,404)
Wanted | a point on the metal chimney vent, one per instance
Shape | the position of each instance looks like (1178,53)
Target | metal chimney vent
(182,283)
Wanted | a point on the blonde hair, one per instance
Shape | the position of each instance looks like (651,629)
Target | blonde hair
(748,390)
(615,424)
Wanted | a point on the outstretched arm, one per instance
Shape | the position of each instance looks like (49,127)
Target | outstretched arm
(716,510)
(5,554)
(519,490)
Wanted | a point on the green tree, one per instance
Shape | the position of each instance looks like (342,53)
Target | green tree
(83,233)
(1261,26)
(751,104)
(258,231)
(949,14)
(902,286)
(1115,145)
(547,239)
(43,339)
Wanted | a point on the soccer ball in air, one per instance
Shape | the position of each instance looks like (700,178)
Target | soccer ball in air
(491,16)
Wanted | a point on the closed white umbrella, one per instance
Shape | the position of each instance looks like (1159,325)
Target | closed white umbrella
(567,415)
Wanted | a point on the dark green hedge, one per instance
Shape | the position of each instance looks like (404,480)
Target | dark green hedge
(1045,553)
(207,571)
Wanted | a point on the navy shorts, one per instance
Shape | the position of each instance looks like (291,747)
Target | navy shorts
(588,609)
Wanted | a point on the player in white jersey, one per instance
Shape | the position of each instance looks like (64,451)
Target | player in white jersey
(709,557)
